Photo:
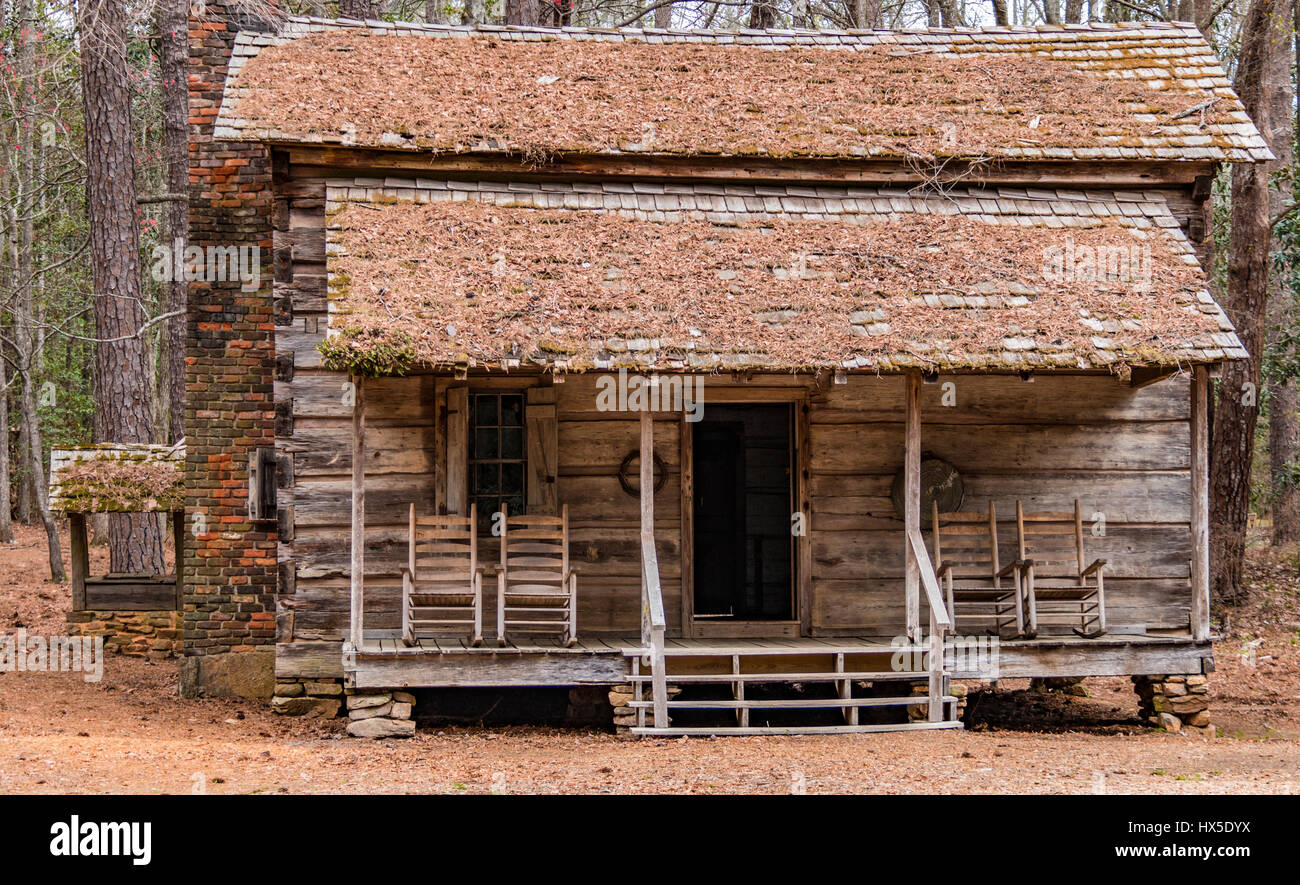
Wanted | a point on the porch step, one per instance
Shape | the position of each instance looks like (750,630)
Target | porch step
(800,704)
(708,651)
(830,676)
(839,664)
(759,730)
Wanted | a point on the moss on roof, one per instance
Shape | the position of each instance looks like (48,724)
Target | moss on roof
(117,478)
(448,283)
(538,97)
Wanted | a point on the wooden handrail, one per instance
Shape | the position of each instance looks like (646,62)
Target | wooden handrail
(654,626)
(928,580)
(653,598)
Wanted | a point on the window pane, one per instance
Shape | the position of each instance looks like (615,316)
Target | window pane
(512,479)
(517,505)
(485,410)
(485,479)
(512,442)
(486,507)
(512,410)
(485,444)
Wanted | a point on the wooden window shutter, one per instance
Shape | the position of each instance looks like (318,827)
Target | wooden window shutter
(540,433)
(458,450)
(262,485)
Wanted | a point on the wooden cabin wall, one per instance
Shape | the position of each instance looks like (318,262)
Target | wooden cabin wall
(1125,453)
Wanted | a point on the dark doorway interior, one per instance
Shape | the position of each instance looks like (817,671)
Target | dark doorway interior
(743,544)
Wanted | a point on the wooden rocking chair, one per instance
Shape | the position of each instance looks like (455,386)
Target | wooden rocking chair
(442,584)
(537,589)
(1059,588)
(966,553)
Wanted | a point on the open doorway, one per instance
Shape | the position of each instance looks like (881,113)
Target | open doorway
(743,567)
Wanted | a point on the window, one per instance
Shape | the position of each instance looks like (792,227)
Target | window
(496,454)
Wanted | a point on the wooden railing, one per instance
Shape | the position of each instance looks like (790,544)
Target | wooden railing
(654,626)
(940,621)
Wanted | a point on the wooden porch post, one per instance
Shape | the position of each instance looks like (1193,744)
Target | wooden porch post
(1200,504)
(652,634)
(912,505)
(358,508)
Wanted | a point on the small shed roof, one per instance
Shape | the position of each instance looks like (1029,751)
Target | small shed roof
(117,477)
(1098,92)
(704,278)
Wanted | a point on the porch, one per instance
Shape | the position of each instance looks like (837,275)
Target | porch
(1161,624)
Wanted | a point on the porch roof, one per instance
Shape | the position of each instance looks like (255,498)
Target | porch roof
(1142,91)
(112,477)
(702,278)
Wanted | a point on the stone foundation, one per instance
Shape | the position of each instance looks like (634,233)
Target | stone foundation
(622,695)
(156,635)
(921,712)
(308,697)
(381,715)
(1071,685)
(1175,703)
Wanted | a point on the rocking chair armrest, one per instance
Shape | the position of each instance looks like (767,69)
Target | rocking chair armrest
(1018,565)
(481,569)
(500,569)
(1097,566)
(943,569)
(573,570)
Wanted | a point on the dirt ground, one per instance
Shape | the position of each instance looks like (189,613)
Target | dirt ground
(131,733)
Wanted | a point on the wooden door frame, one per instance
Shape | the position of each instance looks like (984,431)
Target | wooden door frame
(801,556)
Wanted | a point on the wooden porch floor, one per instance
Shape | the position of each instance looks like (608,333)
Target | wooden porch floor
(606,660)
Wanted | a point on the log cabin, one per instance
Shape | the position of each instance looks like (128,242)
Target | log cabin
(731,316)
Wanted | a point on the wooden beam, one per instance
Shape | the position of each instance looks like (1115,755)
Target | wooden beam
(752,170)
(912,505)
(358,564)
(81,559)
(647,473)
(1200,444)
(686,462)
(1142,376)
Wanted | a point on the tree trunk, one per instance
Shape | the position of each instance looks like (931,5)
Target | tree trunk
(762,14)
(1073,11)
(6,512)
(25,339)
(174,61)
(525,13)
(1000,13)
(122,361)
(664,16)
(1052,12)
(950,14)
(358,9)
(474,12)
(1283,393)
(1236,410)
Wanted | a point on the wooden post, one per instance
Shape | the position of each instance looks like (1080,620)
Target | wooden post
(358,509)
(81,559)
(1200,504)
(912,505)
(647,472)
(652,632)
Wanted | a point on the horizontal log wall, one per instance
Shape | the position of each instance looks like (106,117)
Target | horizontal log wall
(1124,453)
